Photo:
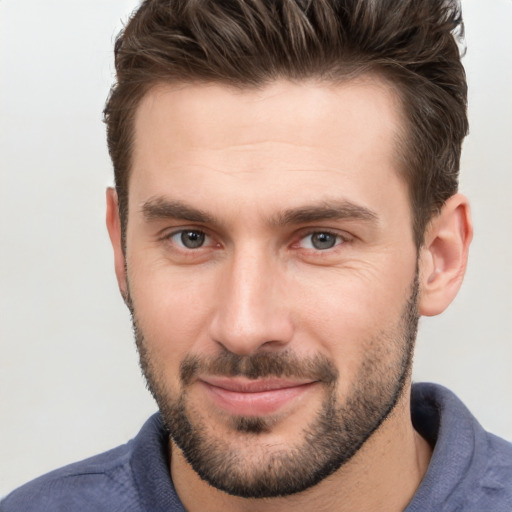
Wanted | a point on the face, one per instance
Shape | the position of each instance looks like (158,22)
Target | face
(271,274)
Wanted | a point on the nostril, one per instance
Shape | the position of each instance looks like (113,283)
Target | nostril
(273,345)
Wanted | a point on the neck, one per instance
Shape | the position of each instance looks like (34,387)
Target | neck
(383,476)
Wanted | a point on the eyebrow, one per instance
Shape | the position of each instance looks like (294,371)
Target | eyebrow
(326,210)
(161,208)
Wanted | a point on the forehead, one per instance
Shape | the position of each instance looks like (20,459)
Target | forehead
(297,141)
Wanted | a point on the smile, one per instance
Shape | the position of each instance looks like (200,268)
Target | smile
(243,397)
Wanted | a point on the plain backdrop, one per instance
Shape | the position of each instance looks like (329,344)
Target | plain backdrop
(69,380)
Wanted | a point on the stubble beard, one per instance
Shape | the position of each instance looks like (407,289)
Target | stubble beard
(338,431)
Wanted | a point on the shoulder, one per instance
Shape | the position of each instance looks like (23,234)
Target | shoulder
(470,469)
(100,483)
(497,476)
(487,485)
(131,478)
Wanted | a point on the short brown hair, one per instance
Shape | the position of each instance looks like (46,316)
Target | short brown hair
(248,43)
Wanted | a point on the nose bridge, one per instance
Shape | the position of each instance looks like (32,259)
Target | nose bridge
(250,310)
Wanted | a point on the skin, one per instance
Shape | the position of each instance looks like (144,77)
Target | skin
(246,159)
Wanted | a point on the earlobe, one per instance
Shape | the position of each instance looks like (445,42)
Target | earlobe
(444,255)
(114,230)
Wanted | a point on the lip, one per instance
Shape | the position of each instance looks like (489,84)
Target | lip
(244,397)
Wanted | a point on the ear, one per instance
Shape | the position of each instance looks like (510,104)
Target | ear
(444,255)
(114,231)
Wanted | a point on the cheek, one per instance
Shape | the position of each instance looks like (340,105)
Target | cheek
(349,316)
(172,310)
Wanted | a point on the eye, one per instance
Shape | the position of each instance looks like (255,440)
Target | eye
(189,238)
(321,240)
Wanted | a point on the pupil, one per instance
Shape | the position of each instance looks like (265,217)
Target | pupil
(323,240)
(192,239)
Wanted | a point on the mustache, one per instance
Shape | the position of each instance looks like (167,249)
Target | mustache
(258,365)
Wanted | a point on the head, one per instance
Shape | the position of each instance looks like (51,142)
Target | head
(285,210)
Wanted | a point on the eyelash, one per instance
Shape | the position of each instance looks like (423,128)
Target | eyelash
(338,239)
(181,233)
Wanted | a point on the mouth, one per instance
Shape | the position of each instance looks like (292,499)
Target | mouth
(244,397)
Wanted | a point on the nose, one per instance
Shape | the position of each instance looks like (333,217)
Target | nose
(251,311)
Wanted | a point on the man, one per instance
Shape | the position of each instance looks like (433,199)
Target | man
(285,208)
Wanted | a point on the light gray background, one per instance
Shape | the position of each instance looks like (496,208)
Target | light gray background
(69,380)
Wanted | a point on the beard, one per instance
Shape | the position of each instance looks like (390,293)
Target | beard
(256,469)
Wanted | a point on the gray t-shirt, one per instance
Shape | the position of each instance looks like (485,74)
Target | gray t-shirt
(470,470)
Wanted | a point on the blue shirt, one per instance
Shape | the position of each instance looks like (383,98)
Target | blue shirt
(470,469)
